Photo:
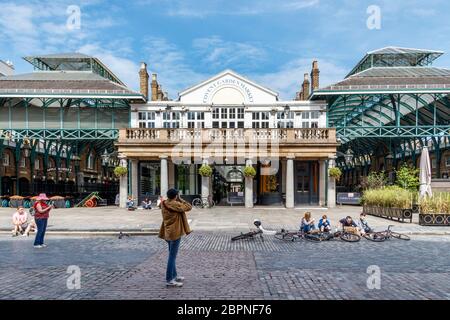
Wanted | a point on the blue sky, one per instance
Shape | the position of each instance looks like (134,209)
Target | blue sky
(272,42)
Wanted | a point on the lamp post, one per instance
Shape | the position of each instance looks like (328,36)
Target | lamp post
(389,162)
(76,163)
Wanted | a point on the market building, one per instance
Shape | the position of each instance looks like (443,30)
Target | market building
(67,125)
(229,122)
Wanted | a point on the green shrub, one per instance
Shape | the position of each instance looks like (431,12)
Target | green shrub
(408,178)
(249,171)
(375,180)
(205,170)
(120,171)
(392,197)
(335,172)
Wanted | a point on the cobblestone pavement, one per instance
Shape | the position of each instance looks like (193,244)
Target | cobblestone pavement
(226,219)
(216,268)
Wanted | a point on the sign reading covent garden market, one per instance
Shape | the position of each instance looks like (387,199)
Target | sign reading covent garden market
(229,122)
(228,82)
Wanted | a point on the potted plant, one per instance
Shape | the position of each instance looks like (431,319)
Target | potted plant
(249,172)
(15,201)
(335,172)
(58,201)
(205,170)
(120,171)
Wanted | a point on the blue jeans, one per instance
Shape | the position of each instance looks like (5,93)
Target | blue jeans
(307,228)
(41,225)
(171,273)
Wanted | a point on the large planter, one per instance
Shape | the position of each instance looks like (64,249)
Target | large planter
(389,213)
(434,219)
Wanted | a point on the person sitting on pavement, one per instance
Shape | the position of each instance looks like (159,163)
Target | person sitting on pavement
(324,224)
(363,225)
(130,203)
(307,223)
(349,223)
(147,204)
(21,224)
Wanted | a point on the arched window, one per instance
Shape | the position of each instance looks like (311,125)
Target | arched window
(6,159)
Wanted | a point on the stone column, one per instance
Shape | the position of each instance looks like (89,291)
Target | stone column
(164,176)
(322,177)
(205,183)
(331,188)
(248,187)
(123,183)
(123,191)
(134,179)
(290,182)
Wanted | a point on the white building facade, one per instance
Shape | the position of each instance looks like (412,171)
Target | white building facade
(229,122)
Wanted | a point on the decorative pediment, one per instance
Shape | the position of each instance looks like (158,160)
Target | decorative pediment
(228,87)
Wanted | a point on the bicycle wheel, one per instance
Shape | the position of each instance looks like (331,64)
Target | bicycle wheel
(375,236)
(197,203)
(286,236)
(313,237)
(243,236)
(350,237)
(400,236)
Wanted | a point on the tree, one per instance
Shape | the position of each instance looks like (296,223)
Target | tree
(408,178)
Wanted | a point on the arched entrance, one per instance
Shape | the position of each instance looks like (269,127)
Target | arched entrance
(7,186)
(24,187)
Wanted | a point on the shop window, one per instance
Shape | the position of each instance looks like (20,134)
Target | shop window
(37,164)
(23,162)
(187,179)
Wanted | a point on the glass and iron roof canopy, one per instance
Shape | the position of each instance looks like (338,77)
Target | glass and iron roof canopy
(396,57)
(392,93)
(72,62)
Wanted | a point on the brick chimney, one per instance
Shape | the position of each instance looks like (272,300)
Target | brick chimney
(305,87)
(160,93)
(315,76)
(154,86)
(143,80)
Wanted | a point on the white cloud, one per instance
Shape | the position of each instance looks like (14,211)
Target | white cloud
(127,70)
(218,52)
(288,79)
(226,7)
(169,62)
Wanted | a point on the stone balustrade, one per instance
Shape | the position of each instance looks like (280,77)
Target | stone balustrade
(282,136)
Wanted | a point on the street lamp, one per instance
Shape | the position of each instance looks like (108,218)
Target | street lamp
(26,148)
(348,156)
(389,160)
(105,157)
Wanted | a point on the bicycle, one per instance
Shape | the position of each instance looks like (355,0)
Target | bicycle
(381,236)
(251,234)
(201,203)
(344,235)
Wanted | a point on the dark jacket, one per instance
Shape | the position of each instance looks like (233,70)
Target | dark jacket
(175,223)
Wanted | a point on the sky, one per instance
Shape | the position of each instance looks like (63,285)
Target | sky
(185,42)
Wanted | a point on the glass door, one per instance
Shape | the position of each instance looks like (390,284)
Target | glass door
(307,182)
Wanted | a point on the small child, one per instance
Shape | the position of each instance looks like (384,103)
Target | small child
(324,224)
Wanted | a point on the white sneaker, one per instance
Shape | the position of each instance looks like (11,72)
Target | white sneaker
(43,245)
(38,246)
(174,283)
(179,279)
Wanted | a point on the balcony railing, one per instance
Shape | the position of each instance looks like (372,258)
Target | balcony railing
(172,136)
